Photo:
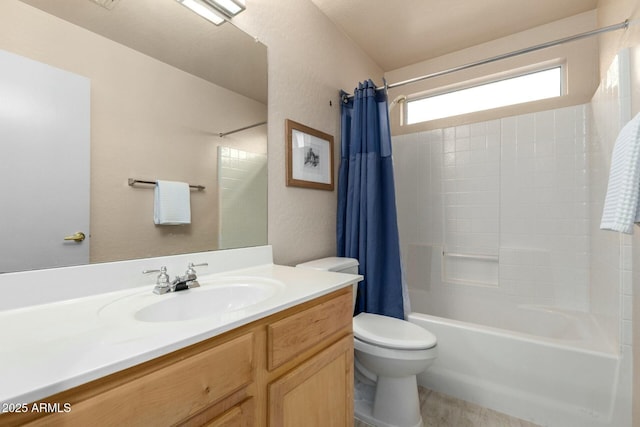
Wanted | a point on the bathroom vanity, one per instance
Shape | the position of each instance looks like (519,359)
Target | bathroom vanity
(269,363)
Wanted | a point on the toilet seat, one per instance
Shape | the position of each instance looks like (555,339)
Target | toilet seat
(403,355)
(392,333)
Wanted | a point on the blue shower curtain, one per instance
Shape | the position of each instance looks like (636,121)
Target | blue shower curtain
(367,227)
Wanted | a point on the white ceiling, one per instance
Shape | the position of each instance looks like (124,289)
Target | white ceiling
(403,32)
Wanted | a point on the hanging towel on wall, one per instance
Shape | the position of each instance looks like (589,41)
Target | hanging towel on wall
(172,203)
(623,192)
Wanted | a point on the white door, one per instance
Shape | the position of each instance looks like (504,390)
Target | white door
(44,165)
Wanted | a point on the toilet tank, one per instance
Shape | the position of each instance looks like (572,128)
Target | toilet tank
(336,264)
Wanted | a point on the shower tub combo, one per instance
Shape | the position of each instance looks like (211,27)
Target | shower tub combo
(552,367)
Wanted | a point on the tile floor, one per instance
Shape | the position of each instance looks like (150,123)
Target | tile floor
(440,410)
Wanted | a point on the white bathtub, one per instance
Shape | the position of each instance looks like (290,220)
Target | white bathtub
(550,367)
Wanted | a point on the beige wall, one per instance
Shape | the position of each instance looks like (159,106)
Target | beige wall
(611,12)
(148,121)
(309,61)
(580,58)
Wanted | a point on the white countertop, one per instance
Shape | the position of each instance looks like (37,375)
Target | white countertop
(53,347)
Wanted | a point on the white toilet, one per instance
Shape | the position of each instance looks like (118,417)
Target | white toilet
(389,353)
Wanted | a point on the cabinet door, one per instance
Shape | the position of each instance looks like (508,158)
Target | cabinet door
(318,392)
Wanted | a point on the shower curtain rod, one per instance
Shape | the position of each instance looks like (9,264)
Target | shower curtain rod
(614,27)
(222,134)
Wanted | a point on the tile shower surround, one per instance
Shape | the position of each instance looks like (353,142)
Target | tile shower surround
(514,188)
(552,176)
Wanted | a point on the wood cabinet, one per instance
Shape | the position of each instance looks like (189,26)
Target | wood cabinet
(317,393)
(292,368)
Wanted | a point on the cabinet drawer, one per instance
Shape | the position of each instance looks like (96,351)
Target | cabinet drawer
(241,415)
(293,335)
(168,395)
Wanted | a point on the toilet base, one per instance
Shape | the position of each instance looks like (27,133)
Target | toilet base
(407,415)
(364,412)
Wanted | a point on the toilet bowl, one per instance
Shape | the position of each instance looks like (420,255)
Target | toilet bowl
(395,351)
(389,353)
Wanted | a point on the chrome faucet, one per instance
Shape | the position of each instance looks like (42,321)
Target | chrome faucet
(180,283)
(189,279)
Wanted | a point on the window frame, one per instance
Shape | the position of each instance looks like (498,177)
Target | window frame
(487,80)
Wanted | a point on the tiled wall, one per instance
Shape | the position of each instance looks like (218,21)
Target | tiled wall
(610,252)
(544,206)
(242,189)
(510,196)
(471,188)
(529,191)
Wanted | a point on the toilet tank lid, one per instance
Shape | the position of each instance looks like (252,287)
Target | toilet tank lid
(330,264)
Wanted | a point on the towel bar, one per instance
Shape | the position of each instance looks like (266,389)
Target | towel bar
(140,181)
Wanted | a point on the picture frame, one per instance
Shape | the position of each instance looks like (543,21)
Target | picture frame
(309,155)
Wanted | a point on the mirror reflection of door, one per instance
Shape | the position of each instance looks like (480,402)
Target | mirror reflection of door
(45,124)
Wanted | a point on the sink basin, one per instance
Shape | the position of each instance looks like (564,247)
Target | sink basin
(213,298)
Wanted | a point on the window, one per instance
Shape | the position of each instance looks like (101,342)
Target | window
(515,90)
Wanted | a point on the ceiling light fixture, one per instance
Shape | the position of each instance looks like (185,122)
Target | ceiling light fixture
(216,11)
(229,8)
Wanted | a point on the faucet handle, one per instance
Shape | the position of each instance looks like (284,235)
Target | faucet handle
(190,275)
(163,278)
(191,270)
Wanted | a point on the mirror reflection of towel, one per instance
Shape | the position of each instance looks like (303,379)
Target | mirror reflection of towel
(172,203)
(623,192)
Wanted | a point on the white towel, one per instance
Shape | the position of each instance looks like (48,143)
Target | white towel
(623,192)
(172,204)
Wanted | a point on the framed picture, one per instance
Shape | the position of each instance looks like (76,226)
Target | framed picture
(309,157)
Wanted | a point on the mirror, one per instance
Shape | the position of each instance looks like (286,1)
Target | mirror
(166,91)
